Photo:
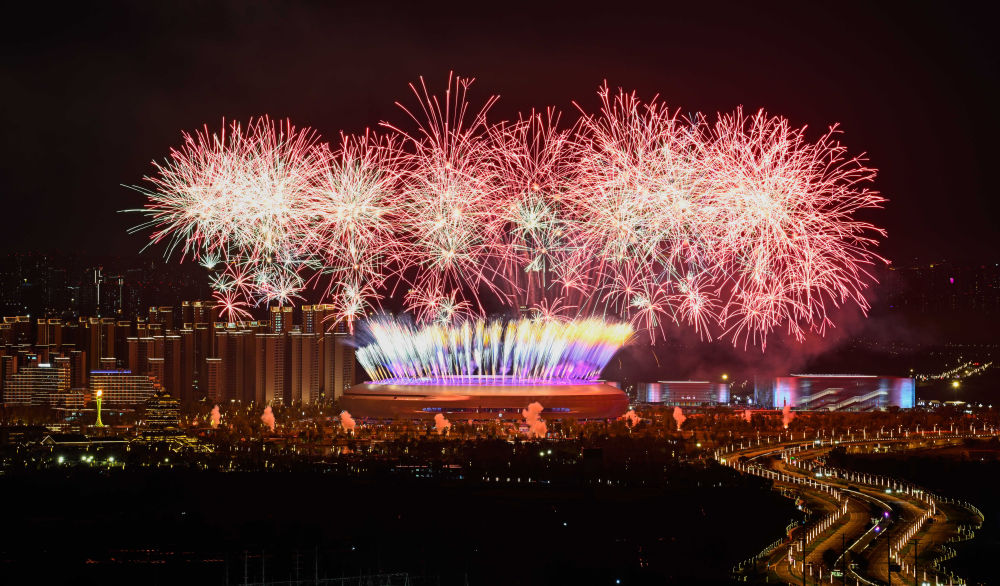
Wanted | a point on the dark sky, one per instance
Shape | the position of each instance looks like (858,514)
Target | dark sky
(91,92)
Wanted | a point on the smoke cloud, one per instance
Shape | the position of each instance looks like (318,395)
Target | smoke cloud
(679,417)
(441,423)
(347,421)
(786,415)
(215,416)
(747,415)
(532,416)
(268,417)
(631,418)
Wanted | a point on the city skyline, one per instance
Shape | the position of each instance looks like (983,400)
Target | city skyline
(327,294)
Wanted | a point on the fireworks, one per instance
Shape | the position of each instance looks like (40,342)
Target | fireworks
(523,349)
(737,228)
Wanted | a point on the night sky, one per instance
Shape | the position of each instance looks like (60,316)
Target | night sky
(91,94)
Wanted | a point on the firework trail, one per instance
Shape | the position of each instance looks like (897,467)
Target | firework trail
(739,228)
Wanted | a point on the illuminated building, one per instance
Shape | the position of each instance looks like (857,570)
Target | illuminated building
(843,392)
(193,312)
(314,318)
(121,387)
(17,330)
(211,380)
(338,362)
(306,366)
(484,398)
(161,420)
(281,320)
(272,371)
(683,393)
(140,350)
(99,339)
(188,359)
(41,384)
(162,315)
(50,333)
(235,347)
(8,366)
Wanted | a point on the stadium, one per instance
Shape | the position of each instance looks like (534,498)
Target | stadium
(488,370)
(483,398)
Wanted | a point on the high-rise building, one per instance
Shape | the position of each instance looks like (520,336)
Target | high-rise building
(140,350)
(50,333)
(123,330)
(100,339)
(210,380)
(172,364)
(194,312)
(185,387)
(314,318)
(78,369)
(338,362)
(281,320)
(236,349)
(154,369)
(162,315)
(306,368)
(272,380)
(18,330)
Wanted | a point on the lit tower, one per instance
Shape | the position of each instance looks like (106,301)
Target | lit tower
(99,424)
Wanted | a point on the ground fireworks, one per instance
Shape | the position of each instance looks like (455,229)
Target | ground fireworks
(736,228)
(521,349)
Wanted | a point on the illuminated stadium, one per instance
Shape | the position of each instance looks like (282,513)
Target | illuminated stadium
(488,369)
(843,392)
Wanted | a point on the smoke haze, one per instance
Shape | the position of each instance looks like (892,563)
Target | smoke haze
(679,417)
(532,416)
(441,424)
(268,417)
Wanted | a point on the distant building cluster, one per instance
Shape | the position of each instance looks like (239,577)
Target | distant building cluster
(290,358)
(67,286)
(808,392)
(942,287)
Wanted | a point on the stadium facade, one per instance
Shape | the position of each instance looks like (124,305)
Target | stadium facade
(483,397)
(843,392)
(686,393)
